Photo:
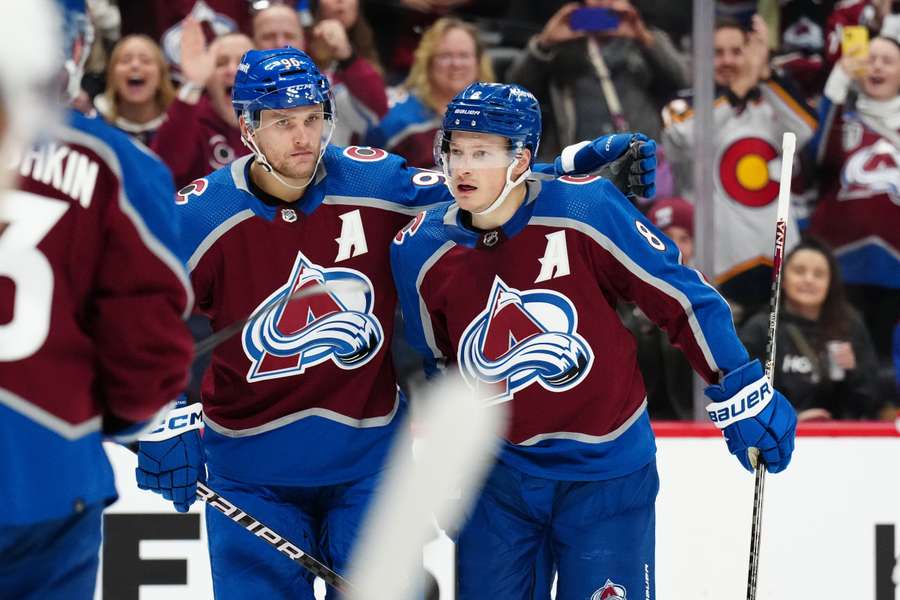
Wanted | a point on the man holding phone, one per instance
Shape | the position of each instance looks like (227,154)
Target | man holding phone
(622,84)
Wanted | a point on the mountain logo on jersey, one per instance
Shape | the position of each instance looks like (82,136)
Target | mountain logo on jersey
(522,338)
(609,591)
(873,169)
(336,326)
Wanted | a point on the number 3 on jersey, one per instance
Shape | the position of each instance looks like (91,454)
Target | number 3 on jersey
(27,218)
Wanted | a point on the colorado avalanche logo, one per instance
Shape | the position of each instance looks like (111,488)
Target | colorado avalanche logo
(609,591)
(522,338)
(874,169)
(308,331)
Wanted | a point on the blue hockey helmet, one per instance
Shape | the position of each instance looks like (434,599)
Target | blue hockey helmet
(277,79)
(502,109)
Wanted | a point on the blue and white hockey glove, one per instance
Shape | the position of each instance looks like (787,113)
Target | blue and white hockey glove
(753,415)
(170,458)
(628,159)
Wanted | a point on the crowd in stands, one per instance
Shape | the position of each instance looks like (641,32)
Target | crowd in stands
(827,70)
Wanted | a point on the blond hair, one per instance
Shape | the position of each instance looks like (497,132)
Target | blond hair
(418,82)
(165,92)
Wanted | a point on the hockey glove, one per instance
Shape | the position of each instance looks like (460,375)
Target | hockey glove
(170,458)
(627,159)
(753,415)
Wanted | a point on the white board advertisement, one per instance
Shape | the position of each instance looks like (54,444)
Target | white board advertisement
(831,528)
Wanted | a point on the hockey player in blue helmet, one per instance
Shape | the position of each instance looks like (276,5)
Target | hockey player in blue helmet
(545,263)
(96,346)
(301,407)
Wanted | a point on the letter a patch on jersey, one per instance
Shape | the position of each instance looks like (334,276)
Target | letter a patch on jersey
(353,238)
(302,333)
(555,262)
(522,338)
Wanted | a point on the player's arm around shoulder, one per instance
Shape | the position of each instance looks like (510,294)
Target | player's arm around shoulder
(413,246)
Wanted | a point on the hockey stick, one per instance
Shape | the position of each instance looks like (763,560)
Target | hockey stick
(276,540)
(460,437)
(209,343)
(788,145)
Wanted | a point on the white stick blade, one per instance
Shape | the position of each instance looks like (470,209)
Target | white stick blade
(458,444)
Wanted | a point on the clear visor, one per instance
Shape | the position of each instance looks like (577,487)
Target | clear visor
(307,123)
(289,114)
(465,152)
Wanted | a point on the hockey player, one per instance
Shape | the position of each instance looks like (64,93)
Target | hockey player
(301,406)
(516,283)
(92,339)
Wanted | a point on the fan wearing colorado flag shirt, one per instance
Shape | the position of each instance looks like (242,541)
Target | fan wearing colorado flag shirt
(301,407)
(515,284)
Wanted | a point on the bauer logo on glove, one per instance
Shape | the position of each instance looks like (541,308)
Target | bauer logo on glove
(748,402)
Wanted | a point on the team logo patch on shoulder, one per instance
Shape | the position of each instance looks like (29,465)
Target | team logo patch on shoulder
(410,228)
(521,338)
(334,326)
(194,188)
(609,591)
(578,179)
(365,153)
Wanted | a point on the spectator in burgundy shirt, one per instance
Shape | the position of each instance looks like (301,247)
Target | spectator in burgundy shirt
(138,89)
(342,44)
(201,132)
(449,58)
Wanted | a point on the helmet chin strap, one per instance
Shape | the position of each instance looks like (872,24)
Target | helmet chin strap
(507,188)
(250,143)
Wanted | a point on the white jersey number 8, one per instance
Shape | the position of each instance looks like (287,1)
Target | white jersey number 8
(651,238)
(28,219)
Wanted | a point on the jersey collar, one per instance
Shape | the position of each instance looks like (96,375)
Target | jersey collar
(458,223)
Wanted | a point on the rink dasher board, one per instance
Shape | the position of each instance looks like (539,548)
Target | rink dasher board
(819,525)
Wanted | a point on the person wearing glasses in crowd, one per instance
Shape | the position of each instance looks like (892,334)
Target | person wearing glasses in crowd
(450,56)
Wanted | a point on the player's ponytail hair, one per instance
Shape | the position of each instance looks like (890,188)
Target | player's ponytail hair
(418,82)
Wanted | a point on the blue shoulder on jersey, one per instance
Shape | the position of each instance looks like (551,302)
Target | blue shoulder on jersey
(412,248)
(146,181)
(381,178)
(596,208)
(210,202)
(406,117)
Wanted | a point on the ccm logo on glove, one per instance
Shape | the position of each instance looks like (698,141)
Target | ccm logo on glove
(176,422)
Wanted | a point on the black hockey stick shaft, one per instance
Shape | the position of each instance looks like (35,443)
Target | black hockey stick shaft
(789,143)
(275,540)
(209,343)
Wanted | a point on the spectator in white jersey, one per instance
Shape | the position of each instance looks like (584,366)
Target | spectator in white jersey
(751,111)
